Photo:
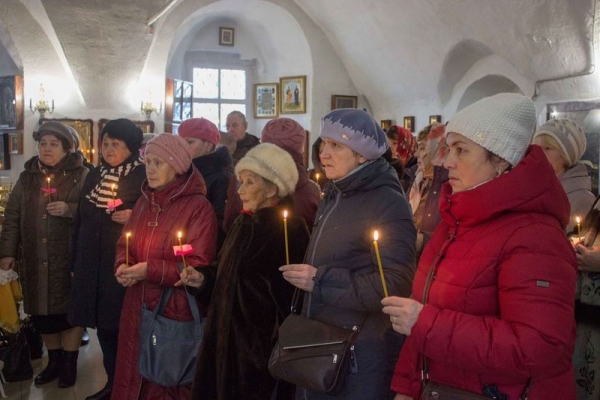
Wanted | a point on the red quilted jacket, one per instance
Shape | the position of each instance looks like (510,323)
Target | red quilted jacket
(155,220)
(499,303)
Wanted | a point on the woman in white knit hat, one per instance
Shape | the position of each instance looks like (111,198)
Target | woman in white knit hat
(563,142)
(491,310)
(250,298)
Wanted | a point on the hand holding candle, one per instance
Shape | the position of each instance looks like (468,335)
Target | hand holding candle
(285,235)
(375,238)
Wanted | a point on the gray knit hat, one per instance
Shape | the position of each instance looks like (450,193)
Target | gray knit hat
(273,164)
(569,136)
(57,129)
(503,124)
(356,129)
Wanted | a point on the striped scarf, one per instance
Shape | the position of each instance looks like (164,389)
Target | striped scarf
(109,176)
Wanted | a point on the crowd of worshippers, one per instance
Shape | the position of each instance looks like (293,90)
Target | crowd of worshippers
(484,277)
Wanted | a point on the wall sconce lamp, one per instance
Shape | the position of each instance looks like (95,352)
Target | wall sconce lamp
(41,105)
(148,108)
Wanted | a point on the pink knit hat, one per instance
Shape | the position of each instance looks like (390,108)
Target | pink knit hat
(173,149)
(285,133)
(199,128)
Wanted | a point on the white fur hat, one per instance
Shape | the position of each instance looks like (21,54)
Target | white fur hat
(503,124)
(272,163)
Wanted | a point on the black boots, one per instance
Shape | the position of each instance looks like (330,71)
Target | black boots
(68,369)
(61,365)
(104,394)
(52,370)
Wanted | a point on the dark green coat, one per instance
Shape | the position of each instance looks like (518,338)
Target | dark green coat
(39,241)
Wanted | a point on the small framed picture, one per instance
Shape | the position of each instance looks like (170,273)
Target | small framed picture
(385,124)
(341,101)
(15,142)
(226,36)
(433,119)
(409,123)
(292,99)
(265,100)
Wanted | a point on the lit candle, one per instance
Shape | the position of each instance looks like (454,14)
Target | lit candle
(49,195)
(317,176)
(285,234)
(179,235)
(127,236)
(112,190)
(578,220)
(375,237)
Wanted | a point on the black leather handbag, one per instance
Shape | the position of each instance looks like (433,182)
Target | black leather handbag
(14,351)
(312,354)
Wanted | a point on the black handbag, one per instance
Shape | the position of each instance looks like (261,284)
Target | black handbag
(14,352)
(168,348)
(34,339)
(312,354)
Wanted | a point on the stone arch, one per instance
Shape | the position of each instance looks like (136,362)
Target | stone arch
(487,86)
(460,59)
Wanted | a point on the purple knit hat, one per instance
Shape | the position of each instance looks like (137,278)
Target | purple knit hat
(173,149)
(356,129)
(285,133)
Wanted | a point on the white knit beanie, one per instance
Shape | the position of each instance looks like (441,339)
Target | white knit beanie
(503,124)
(569,136)
(272,163)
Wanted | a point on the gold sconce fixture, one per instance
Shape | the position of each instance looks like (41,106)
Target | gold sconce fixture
(41,105)
(147,107)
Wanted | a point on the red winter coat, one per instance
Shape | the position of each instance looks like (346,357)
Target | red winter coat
(180,206)
(499,309)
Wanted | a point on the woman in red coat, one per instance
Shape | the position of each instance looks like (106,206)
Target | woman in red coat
(492,304)
(173,199)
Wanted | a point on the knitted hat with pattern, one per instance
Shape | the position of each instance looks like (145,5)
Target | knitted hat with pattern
(569,136)
(273,164)
(172,149)
(285,133)
(503,124)
(356,129)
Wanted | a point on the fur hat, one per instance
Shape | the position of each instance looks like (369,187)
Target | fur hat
(285,133)
(199,128)
(57,129)
(356,129)
(173,149)
(125,130)
(569,136)
(502,124)
(273,164)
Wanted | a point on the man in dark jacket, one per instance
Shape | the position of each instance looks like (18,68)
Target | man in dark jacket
(215,164)
(236,126)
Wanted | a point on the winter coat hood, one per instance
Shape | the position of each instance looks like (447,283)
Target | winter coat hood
(530,187)
(213,162)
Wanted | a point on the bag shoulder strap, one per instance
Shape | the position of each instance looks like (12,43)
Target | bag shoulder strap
(166,295)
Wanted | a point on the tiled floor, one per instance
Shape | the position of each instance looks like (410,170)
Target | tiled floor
(90,378)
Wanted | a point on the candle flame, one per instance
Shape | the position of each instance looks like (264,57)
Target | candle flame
(179,234)
(285,214)
(375,236)
(317,176)
(578,220)
(128,235)
(113,187)
(48,179)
